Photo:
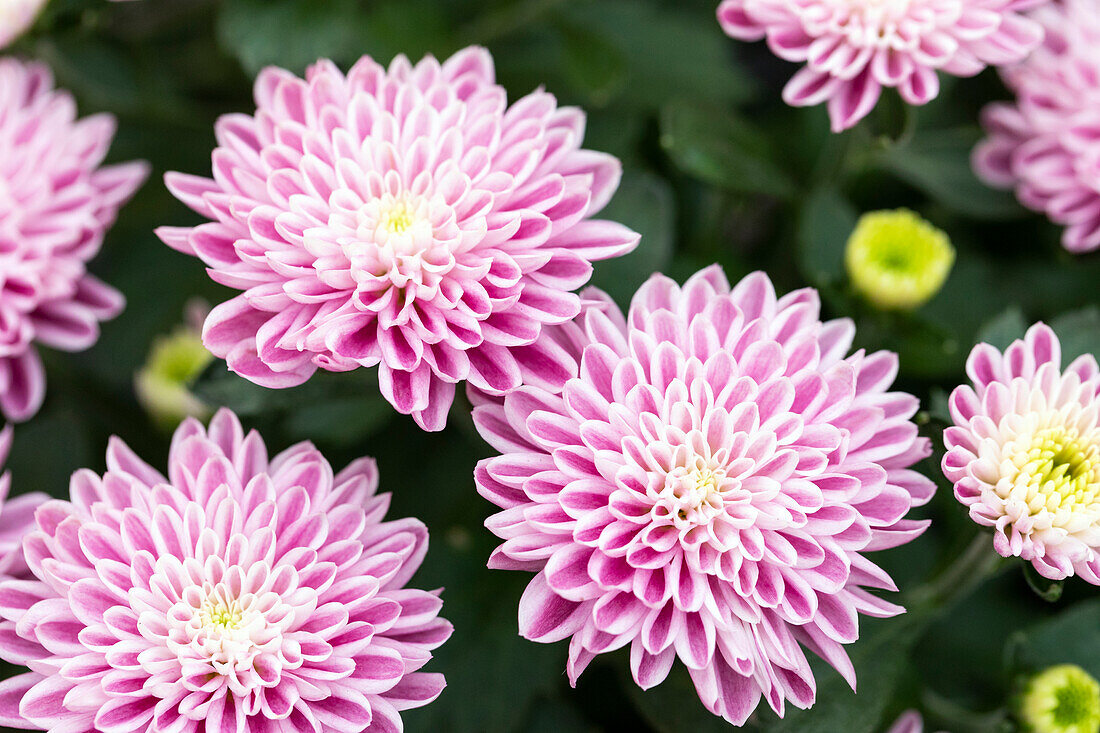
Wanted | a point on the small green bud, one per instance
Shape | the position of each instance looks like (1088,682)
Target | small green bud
(163,385)
(897,260)
(1061,699)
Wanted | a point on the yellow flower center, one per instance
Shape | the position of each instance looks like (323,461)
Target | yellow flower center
(1061,469)
(221,616)
(698,491)
(398,217)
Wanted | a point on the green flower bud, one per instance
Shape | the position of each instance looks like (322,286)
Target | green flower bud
(897,260)
(1061,699)
(163,385)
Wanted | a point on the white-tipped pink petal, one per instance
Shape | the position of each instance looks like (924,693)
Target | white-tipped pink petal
(1024,453)
(237,594)
(56,208)
(854,48)
(1046,144)
(682,490)
(439,235)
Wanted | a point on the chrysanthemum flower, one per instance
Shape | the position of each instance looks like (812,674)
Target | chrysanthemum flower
(1024,453)
(897,259)
(1061,699)
(706,488)
(56,204)
(16,16)
(16,517)
(406,218)
(854,48)
(236,595)
(1047,144)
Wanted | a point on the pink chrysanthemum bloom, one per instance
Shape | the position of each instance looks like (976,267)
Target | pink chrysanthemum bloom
(16,518)
(1024,453)
(406,218)
(853,48)
(1047,144)
(706,488)
(56,204)
(237,595)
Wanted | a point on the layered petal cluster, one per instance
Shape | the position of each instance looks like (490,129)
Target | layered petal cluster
(1024,453)
(16,517)
(56,203)
(407,218)
(852,49)
(236,595)
(706,487)
(1046,144)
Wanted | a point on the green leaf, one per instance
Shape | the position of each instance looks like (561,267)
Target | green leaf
(669,51)
(880,656)
(1047,589)
(1079,332)
(1071,637)
(594,64)
(557,716)
(644,202)
(824,225)
(336,410)
(938,406)
(289,33)
(937,163)
(673,706)
(1005,328)
(722,150)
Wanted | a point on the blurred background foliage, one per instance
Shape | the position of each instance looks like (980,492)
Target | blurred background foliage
(717,169)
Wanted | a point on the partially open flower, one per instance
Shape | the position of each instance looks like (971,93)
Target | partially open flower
(897,260)
(237,594)
(16,17)
(1061,699)
(1024,453)
(706,488)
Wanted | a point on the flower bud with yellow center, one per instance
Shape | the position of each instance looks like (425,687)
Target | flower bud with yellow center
(1061,699)
(897,260)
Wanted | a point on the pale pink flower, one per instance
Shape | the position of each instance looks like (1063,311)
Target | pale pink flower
(705,488)
(16,517)
(237,595)
(406,218)
(909,722)
(1024,453)
(56,204)
(853,48)
(1047,143)
(16,17)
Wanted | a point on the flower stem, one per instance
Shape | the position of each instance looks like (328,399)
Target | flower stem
(973,566)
